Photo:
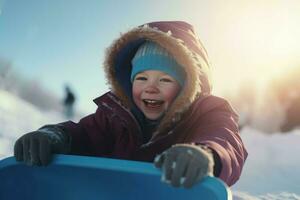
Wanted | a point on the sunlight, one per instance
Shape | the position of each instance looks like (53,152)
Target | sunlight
(255,41)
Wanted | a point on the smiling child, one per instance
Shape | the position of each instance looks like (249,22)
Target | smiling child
(160,109)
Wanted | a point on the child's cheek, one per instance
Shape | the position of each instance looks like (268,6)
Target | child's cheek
(136,93)
(170,94)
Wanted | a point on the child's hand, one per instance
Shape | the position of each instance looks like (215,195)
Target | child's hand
(37,147)
(185,165)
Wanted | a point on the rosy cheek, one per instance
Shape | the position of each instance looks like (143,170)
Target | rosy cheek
(136,93)
(169,99)
(171,94)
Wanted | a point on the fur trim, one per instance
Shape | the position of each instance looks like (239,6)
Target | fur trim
(194,66)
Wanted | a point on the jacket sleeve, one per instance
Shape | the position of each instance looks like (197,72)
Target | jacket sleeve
(217,128)
(90,136)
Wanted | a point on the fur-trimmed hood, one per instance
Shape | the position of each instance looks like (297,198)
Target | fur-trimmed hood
(179,39)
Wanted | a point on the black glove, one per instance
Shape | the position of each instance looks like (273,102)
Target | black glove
(185,164)
(37,147)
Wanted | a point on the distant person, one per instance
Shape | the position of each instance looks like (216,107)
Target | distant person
(160,109)
(69,101)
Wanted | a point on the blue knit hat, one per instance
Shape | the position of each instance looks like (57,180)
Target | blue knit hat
(151,56)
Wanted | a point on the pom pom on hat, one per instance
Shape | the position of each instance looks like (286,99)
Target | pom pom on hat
(151,56)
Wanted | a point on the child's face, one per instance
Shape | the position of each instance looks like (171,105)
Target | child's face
(153,92)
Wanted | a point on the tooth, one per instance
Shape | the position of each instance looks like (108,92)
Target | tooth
(151,101)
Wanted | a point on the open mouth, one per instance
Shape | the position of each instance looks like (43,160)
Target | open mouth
(151,103)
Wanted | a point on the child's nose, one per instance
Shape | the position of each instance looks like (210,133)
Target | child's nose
(152,89)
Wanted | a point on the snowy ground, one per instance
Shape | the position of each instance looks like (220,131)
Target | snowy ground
(271,171)
(272,167)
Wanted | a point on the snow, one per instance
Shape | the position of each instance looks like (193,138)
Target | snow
(270,172)
(18,117)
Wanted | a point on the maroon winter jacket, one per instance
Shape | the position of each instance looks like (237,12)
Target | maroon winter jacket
(114,132)
(195,116)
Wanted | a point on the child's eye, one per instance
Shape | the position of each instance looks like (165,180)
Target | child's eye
(166,80)
(141,78)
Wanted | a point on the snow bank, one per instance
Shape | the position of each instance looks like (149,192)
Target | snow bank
(18,117)
(272,165)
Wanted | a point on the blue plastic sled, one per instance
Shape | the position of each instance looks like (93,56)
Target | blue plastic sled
(81,177)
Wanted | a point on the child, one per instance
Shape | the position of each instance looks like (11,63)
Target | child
(159,110)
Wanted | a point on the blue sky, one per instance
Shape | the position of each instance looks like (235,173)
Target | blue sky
(61,41)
